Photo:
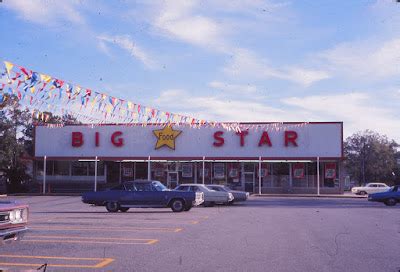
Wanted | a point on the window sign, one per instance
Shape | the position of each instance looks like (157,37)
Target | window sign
(330,170)
(298,170)
(159,172)
(127,171)
(187,170)
(233,173)
(219,170)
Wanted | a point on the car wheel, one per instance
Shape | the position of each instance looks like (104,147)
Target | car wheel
(112,206)
(177,205)
(363,193)
(390,202)
(187,208)
(123,209)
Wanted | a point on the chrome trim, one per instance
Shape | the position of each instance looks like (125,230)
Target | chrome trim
(19,233)
(4,222)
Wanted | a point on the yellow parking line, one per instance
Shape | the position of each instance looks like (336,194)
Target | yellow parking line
(194,222)
(77,221)
(51,228)
(102,262)
(87,238)
(83,242)
(94,240)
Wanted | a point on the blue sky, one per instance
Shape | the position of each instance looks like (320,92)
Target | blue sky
(225,60)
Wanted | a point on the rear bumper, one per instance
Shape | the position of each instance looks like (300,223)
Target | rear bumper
(10,235)
(197,202)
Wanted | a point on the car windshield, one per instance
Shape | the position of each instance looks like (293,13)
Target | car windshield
(159,186)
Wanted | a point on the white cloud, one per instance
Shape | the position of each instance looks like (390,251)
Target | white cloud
(246,64)
(220,108)
(126,42)
(233,88)
(366,59)
(46,12)
(178,20)
(357,110)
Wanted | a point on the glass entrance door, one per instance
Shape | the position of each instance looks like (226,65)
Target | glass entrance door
(173,180)
(249,182)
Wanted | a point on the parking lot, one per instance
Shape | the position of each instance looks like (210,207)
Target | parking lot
(264,234)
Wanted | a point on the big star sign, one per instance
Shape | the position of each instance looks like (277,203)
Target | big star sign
(166,136)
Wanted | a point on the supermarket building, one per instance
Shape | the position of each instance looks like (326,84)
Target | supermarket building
(261,157)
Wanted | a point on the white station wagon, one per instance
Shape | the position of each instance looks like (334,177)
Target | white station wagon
(370,188)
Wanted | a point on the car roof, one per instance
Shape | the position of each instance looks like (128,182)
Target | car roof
(139,181)
(191,184)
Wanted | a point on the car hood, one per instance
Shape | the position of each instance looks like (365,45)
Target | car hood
(8,205)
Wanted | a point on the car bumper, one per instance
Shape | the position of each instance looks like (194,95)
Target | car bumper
(10,235)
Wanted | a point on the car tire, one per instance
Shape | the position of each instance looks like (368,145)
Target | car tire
(177,205)
(187,208)
(390,202)
(123,209)
(362,193)
(112,206)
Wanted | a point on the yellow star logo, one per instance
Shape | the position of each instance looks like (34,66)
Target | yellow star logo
(166,136)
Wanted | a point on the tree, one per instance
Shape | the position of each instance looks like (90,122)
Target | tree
(16,139)
(370,157)
(13,122)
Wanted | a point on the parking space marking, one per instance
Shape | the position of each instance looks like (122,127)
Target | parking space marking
(77,221)
(92,240)
(122,229)
(101,262)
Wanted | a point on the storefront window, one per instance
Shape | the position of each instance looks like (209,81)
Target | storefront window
(281,174)
(299,178)
(219,170)
(49,167)
(79,168)
(330,176)
(61,168)
(100,168)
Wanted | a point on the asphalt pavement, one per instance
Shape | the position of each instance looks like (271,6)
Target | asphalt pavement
(263,234)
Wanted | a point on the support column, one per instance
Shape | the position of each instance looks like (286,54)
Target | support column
(203,178)
(149,169)
(195,172)
(318,176)
(120,172)
(95,174)
(290,176)
(259,175)
(44,174)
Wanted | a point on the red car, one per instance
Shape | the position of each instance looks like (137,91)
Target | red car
(13,221)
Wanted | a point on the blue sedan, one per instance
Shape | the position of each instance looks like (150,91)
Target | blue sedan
(390,198)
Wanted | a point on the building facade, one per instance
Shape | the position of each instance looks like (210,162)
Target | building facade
(261,157)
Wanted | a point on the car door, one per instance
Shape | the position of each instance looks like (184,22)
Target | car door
(371,188)
(143,194)
(125,193)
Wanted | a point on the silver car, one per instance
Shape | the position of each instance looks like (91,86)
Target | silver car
(238,195)
(211,197)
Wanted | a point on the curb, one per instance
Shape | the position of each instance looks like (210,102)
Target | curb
(310,196)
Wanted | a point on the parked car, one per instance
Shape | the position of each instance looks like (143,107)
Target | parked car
(370,188)
(390,198)
(13,221)
(211,197)
(238,195)
(143,194)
